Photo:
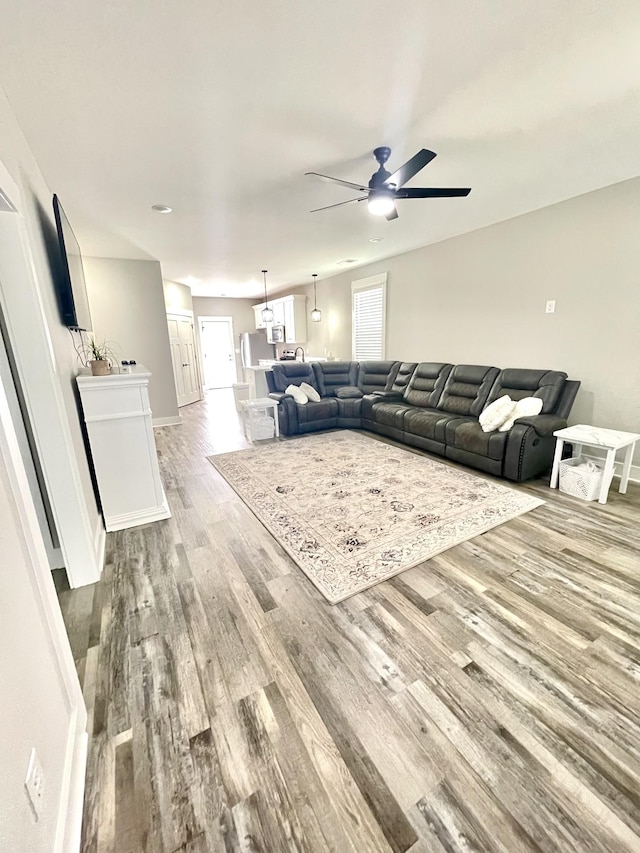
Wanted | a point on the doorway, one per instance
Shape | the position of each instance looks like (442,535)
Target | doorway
(218,351)
(184,358)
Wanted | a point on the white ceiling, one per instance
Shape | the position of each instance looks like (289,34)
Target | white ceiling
(218,110)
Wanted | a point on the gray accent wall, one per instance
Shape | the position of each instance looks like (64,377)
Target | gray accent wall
(480,298)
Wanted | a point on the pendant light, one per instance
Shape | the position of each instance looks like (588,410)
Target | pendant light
(316,314)
(267,313)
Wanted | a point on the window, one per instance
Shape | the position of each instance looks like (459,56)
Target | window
(368,301)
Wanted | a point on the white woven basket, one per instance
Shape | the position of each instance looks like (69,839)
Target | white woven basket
(578,481)
(261,426)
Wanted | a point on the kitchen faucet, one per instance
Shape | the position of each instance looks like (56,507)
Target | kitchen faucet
(295,355)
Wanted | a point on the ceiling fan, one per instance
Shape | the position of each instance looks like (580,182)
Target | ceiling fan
(385,188)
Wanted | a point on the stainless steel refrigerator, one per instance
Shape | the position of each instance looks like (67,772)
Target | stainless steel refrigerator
(254,346)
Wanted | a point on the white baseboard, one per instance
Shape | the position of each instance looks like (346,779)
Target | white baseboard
(135,519)
(634,475)
(69,827)
(160,422)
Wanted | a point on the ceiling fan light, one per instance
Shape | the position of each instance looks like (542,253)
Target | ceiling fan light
(381,203)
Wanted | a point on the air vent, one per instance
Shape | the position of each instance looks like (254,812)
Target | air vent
(347,261)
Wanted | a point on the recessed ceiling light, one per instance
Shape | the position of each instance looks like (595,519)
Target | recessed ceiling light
(161,208)
(375,239)
(347,261)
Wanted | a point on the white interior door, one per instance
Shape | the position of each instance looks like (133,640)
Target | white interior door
(218,355)
(183,355)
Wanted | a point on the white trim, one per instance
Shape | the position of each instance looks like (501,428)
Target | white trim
(69,828)
(160,422)
(143,413)
(28,330)
(369,283)
(180,312)
(133,519)
(72,783)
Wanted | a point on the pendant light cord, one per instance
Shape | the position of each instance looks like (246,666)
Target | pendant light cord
(264,274)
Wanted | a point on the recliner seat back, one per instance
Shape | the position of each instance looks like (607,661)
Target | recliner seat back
(467,389)
(427,383)
(292,373)
(334,374)
(519,383)
(402,377)
(376,375)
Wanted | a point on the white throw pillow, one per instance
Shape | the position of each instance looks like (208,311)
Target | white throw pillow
(496,413)
(297,393)
(311,392)
(523,409)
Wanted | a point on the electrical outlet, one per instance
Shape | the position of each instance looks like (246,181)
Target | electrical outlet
(551,306)
(34,783)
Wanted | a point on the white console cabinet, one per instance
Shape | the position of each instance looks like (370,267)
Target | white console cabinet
(118,418)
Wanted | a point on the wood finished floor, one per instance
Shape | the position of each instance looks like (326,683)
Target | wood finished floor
(487,700)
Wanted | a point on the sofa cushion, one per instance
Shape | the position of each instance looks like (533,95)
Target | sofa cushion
(310,391)
(298,394)
(350,408)
(426,383)
(519,383)
(427,423)
(389,414)
(403,376)
(526,408)
(376,375)
(349,392)
(334,374)
(467,389)
(292,373)
(467,434)
(495,414)
(325,410)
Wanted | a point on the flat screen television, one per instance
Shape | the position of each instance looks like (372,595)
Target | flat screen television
(72,289)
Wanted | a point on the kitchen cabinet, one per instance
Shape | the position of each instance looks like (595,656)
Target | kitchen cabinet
(290,312)
(260,323)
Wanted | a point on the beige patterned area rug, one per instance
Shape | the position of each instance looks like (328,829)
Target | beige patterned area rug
(353,511)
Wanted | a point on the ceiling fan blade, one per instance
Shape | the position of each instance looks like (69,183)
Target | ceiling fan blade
(411,167)
(433,192)
(339,204)
(392,215)
(351,186)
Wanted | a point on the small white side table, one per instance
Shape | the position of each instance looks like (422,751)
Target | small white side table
(265,404)
(612,439)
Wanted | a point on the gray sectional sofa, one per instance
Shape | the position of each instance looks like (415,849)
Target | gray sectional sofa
(433,406)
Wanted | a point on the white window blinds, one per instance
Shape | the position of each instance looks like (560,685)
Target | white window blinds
(368,303)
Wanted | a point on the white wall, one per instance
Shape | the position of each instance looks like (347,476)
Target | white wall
(480,298)
(127,308)
(177,297)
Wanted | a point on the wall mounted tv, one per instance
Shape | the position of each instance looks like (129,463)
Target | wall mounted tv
(72,289)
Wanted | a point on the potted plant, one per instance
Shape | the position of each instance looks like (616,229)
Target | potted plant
(97,355)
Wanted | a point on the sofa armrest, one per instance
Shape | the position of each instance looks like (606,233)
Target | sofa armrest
(543,424)
(278,395)
(389,395)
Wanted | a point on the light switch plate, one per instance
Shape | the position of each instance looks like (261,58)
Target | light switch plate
(551,306)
